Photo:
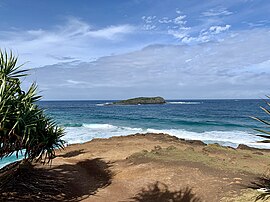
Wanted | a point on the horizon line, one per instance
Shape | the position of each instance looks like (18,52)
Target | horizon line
(52,100)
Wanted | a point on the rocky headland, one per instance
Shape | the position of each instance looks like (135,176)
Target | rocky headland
(143,167)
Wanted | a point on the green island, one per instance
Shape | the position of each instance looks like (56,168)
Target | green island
(141,100)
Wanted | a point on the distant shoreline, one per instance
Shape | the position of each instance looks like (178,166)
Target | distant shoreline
(82,100)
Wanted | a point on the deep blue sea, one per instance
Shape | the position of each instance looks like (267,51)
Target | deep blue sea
(226,122)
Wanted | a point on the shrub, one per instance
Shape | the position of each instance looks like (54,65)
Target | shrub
(23,125)
(266,134)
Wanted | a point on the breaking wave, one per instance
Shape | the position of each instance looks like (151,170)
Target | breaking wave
(227,138)
(185,103)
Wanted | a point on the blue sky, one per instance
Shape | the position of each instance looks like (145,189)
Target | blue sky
(185,49)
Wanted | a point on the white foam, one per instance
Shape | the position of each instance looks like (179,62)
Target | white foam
(90,131)
(100,126)
(185,103)
(103,104)
(228,138)
(100,104)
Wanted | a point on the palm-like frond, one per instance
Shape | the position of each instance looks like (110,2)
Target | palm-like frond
(266,135)
(24,126)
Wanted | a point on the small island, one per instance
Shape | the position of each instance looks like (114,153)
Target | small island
(141,100)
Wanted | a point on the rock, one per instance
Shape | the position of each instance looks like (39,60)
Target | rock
(196,142)
(245,147)
(141,100)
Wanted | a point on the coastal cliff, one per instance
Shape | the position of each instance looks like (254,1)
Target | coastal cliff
(141,100)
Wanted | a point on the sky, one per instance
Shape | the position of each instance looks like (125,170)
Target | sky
(118,49)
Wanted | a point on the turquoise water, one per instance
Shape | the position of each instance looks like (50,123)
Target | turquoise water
(226,122)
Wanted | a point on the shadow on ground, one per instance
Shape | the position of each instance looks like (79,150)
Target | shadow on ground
(261,183)
(159,192)
(60,183)
(72,153)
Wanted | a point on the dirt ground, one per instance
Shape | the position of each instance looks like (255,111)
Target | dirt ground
(144,167)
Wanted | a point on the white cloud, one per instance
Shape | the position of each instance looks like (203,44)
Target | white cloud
(165,20)
(176,27)
(217,12)
(178,11)
(75,82)
(179,20)
(75,28)
(179,34)
(74,39)
(111,32)
(149,27)
(209,70)
(148,19)
(219,29)
(200,39)
(205,35)
(259,23)
(149,23)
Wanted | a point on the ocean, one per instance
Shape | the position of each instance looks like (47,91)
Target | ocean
(226,122)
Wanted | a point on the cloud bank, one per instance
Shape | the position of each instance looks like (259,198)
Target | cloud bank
(209,50)
(236,67)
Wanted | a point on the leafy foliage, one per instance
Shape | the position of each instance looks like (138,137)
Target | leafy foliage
(23,125)
(266,134)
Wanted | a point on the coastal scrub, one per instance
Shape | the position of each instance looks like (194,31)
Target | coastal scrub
(24,127)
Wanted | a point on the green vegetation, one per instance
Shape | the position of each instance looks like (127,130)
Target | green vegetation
(24,126)
(266,134)
(246,195)
(141,100)
(211,156)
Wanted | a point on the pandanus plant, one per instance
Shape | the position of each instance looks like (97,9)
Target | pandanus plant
(265,195)
(264,133)
(24,127)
